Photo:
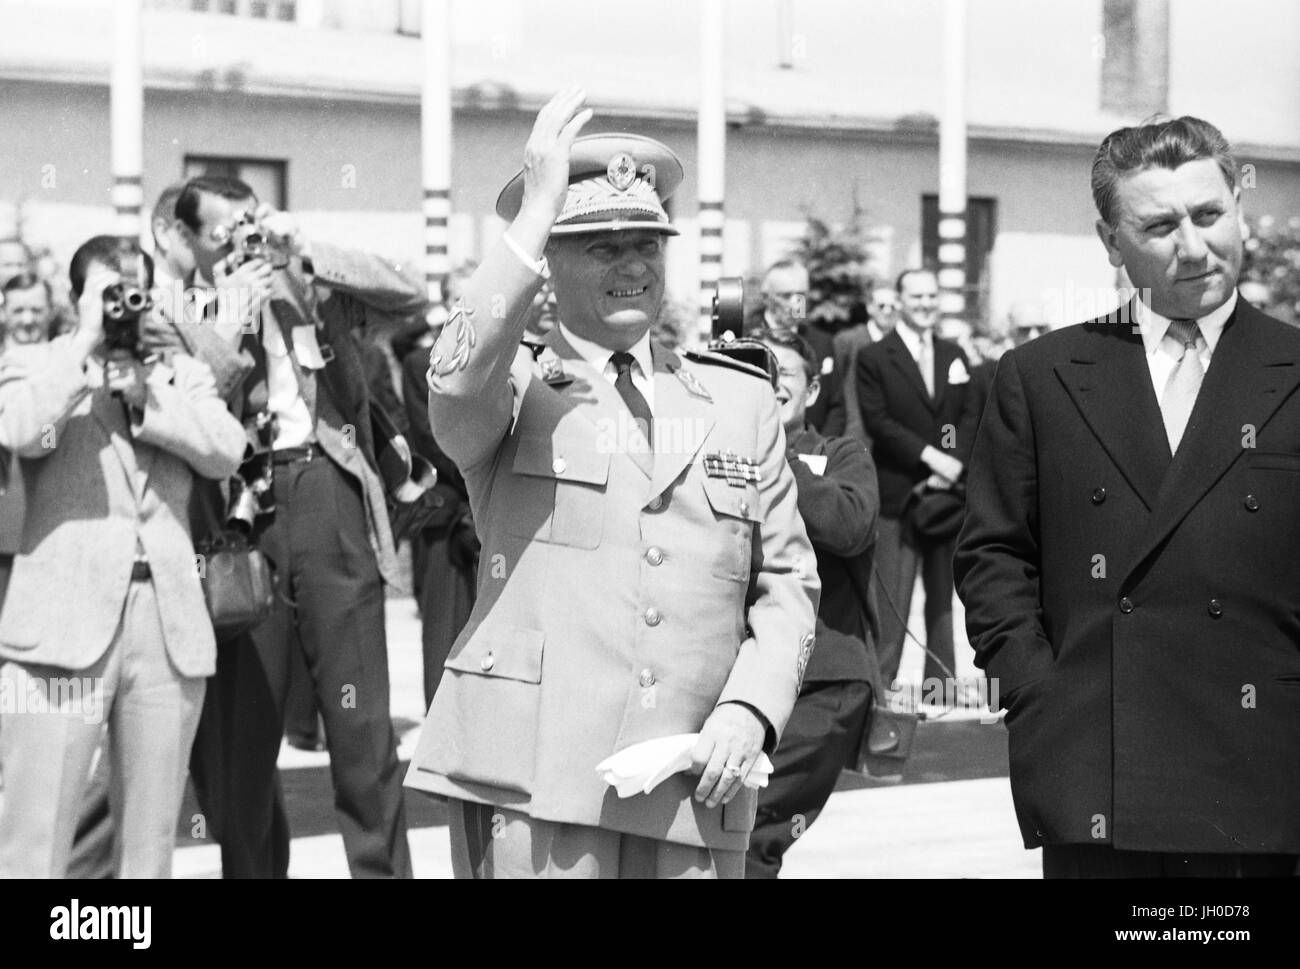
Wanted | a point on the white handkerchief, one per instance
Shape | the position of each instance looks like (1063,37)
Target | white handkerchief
(816,463)
(957,373)
(641,768)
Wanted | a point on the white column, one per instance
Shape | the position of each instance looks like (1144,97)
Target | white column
(126,113)
(435,137)
(952,163)
(711,141)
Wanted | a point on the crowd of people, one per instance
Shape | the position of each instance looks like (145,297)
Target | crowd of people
(705,611)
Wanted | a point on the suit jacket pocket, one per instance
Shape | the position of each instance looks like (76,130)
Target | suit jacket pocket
(569,477)
(1272,461)
(484,718)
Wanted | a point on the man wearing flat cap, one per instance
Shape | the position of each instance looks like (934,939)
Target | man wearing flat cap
(644,573)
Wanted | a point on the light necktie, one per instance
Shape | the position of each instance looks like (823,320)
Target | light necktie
(925,360)
(631,396)
(1179,397)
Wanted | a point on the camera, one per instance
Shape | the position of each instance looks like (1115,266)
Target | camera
(249,240)
(252,489)
(729,329)
(125,303)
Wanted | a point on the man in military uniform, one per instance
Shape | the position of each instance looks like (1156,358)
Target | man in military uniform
(644,571)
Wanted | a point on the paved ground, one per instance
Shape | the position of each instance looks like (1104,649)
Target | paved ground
(950,816)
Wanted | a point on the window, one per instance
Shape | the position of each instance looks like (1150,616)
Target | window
(1135,57)
(266,178)
(981,231)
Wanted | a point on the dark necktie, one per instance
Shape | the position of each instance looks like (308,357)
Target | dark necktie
(631,396)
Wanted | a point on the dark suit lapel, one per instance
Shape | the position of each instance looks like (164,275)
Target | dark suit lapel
(683,419)
(902,360)
(944,354)
(1247,381)
(1110,382)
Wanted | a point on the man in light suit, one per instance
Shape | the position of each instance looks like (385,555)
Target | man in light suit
(914,394)
(1128,561)
(110,446)
(644,572)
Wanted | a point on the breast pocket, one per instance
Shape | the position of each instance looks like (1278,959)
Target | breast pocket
(737,512)
(1272,461)
(558,491)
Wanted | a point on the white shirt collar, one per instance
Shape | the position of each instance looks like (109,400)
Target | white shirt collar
(1154,326)
(599,356)
(912,339)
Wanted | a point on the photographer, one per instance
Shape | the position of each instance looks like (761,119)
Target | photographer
(318,510)
(110,442)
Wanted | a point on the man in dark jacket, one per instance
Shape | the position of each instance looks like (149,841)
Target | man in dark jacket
(1128,560)
(914,393)
(838,502)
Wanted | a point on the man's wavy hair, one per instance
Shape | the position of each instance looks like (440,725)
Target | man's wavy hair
(1158,142)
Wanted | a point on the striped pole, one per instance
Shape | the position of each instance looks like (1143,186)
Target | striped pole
(952,165)
(712,145)
(126,118)
(435,135)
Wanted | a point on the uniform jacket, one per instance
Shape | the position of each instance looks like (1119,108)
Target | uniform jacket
(94,485)
(346,291)
(1142,612)
(902,419)
(620,599)
(839,508)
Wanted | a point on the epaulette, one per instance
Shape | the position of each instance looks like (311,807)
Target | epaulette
(708,356)
(534,345)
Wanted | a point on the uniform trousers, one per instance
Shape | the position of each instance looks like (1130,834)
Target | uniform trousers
(330,605)
(48,746)
(823,732)
(898,556)
(1103,861)
(495,842)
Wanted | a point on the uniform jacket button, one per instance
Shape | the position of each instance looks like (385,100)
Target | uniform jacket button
(486,663)
(559,465)
(743,506)
(1126,605)
(652,616)
(647,678)
(654,556)
(656,503)
(1214,609)
(1098,495)
(1252,503)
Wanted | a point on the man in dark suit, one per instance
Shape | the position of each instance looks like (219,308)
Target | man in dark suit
(913,391)
(1128,560)
(329,536)
(838,502)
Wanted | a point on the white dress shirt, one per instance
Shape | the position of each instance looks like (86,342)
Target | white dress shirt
(600,358)
(912,340)
(294,424)
(1161,359)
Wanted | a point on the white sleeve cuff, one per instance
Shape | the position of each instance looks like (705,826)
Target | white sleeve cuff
(539,266)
